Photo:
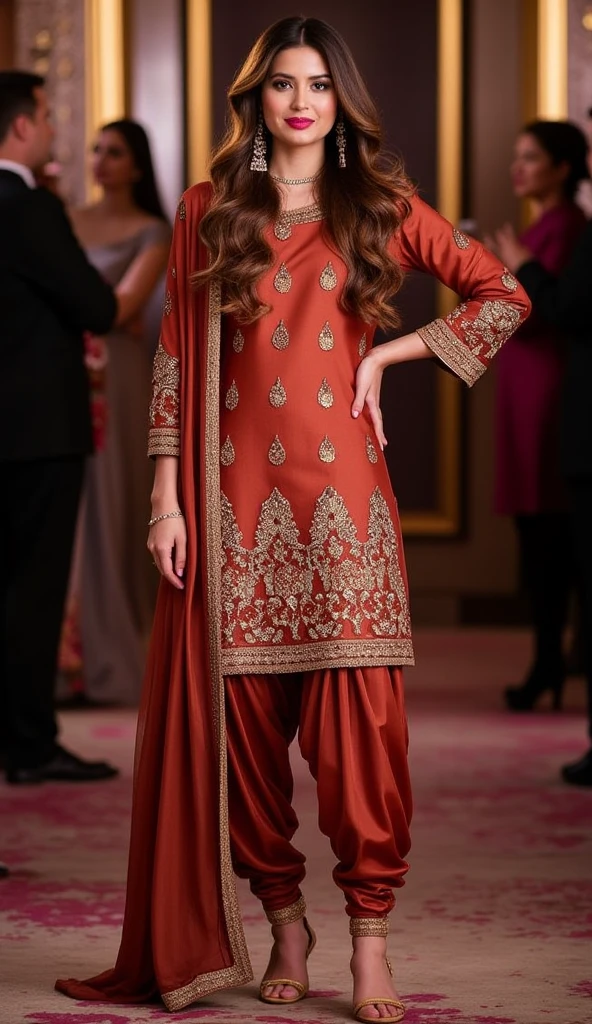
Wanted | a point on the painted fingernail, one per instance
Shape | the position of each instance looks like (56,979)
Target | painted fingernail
(355,414)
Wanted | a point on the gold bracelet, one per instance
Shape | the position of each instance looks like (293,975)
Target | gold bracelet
(166,515)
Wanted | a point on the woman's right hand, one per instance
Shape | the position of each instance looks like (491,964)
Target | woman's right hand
(167,543)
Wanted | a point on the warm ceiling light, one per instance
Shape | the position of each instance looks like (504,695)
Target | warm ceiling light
(587,19)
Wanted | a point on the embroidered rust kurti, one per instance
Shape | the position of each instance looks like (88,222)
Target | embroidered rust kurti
(313,573)
(294,555)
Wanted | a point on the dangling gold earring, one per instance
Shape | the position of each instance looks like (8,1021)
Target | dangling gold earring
(340,140)
(258,160)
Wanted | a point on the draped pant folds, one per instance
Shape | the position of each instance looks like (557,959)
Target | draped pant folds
(352,731)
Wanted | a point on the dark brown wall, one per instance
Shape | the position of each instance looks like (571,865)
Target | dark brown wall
(395,46)
(7,37)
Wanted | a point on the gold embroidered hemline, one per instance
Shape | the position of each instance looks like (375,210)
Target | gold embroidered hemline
(444,343)
(284,591)
(319,654)
(228,977)
(359,926)
(287,915)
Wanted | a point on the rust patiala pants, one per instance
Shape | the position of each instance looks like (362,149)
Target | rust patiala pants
(352,731)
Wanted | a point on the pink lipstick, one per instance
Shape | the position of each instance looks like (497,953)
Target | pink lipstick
(299,123)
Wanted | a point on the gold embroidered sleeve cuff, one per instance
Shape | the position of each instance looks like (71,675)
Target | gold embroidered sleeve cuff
(456,355)
(164,441)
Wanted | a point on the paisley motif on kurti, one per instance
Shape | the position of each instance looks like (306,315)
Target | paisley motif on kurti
(313,572)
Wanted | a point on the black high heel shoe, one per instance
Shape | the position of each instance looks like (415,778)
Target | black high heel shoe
(524,698)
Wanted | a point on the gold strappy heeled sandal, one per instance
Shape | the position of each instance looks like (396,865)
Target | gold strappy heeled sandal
(301,989)
(382,1001)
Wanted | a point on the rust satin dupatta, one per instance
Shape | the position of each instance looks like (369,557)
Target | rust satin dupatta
(182,933)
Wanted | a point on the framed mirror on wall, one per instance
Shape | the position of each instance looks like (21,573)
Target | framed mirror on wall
(411,56)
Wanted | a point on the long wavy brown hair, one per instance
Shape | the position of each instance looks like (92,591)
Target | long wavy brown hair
(363,204)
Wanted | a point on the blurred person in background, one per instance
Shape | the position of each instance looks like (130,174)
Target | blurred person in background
(549,163)
(565,302)
(126,236)
(49,296)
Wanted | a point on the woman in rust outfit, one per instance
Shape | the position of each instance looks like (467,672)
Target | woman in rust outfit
(274,524)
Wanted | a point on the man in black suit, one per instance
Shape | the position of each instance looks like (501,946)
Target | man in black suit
(49,295)
(567,302)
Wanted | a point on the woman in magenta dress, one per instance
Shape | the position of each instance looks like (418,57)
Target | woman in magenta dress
(549,163)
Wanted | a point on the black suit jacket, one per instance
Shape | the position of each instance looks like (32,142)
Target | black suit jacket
(567,302)
(49,295)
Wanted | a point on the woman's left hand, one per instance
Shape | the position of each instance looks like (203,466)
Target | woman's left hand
(509,250)
(368,381)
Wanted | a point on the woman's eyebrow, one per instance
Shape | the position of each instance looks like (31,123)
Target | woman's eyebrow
(279,74)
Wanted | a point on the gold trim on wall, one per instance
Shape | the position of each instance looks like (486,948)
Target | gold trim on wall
(444,521)
(544,56)
(105,67)
(552,59)
(199,89)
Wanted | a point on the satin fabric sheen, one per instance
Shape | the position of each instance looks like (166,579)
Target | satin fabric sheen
(352,731)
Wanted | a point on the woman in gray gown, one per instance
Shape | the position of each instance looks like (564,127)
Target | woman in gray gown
(126,236)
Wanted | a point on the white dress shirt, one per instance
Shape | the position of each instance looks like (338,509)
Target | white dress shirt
(25,172)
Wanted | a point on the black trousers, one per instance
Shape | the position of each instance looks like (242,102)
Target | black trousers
(37,523)
(580,490)
(548,577)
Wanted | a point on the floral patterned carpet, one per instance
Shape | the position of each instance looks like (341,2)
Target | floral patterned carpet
(493,927)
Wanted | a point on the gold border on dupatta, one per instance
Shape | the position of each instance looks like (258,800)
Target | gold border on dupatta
(241,972)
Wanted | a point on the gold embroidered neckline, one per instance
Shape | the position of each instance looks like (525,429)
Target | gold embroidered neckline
(282,228)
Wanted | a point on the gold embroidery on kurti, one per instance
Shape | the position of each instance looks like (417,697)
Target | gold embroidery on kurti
(282,281)
(182,209)
(238,341)
(326,450)
(444,343)
(282,228)
(509,281)
(164,407)
(328,278)
(307,657)
(227,453)
(285,592)
(362,345)
(371,450)
(280,338)
(167,306)
(326,339)
(231,400)
(325,395)
(277,452)
(495,322)
(461,240)
(173,272)
(277,394)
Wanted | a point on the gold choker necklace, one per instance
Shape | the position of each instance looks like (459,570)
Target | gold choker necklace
(294,181)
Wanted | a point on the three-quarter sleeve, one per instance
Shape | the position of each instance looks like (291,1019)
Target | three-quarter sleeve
(493,303)
(164,427)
